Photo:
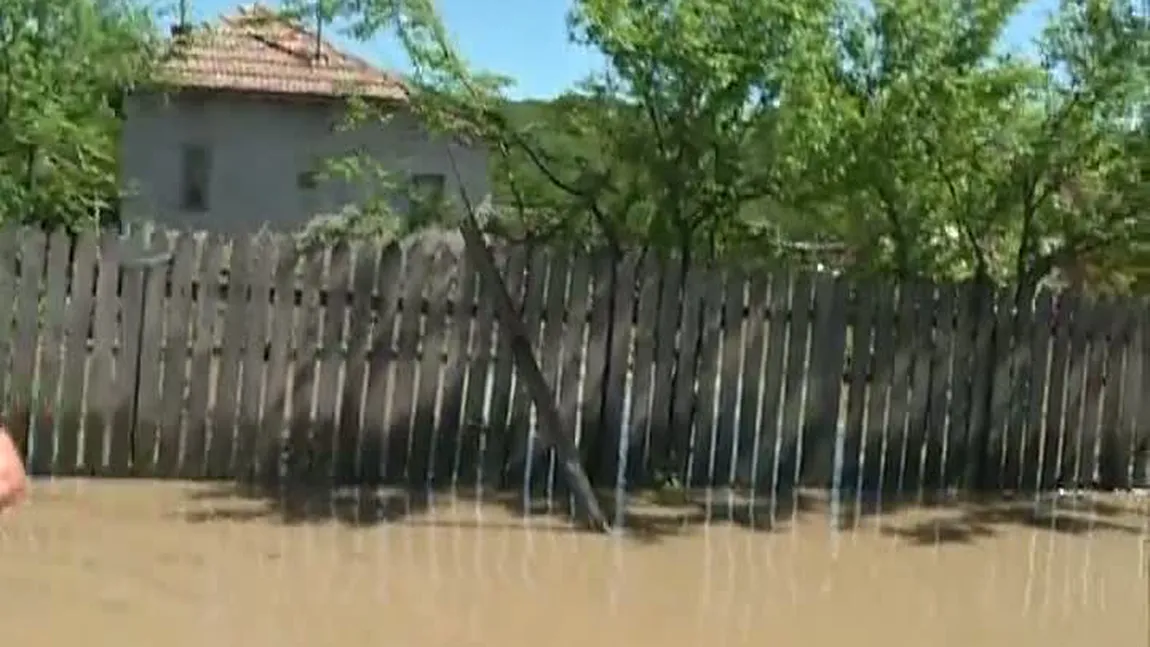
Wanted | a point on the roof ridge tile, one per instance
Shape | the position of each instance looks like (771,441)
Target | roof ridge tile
(276,56)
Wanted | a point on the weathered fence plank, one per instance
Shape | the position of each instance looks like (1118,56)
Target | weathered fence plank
(100,397)
(1040,338)
(178,311)
(9,263)
(881,370)
(498,426)
(480,364)
(331,364)
(961,383)
(518,437)
(261,261)
(754,347)
(733,344)
(699,466)
(941,375)
(642,350)
(665,334)
(449,428)
(894,471)
(991,475)
(1017,393)
(27,328)
(272,435)
(538,463)
(813,436)
(798,345)
(1088,436)
(1113,440)
(381,361)
(433,338)
(1064,308)
(825,378)
(611,433)
(349,468)
(598,337)
(919,379)
(1141,441)
(1082,324)
(1133,393)
(981,386)
(222,439)
(766,462)
(306,340)
(145,418)
(858,373)
(833,369)
(129,319)
(74,385)
(678,453)
(42,444)
(193,463)
(578,305)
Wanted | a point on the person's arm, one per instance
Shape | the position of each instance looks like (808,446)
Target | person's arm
(13,479)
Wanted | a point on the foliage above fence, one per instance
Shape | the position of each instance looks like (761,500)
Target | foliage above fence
(357,364)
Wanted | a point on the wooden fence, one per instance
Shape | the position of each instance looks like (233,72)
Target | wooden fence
(251,359)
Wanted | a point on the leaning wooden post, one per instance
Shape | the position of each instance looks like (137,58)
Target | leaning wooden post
(550,427)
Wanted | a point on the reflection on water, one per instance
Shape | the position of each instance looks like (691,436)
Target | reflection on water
(136,563)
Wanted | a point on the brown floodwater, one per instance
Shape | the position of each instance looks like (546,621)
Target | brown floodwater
(138,563)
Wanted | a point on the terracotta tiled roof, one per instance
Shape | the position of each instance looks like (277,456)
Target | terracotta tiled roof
(259,51)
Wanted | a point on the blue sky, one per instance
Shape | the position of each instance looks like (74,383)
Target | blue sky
(527,39)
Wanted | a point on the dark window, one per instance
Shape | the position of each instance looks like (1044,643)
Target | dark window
(307,180)
(196,162)
(427,188)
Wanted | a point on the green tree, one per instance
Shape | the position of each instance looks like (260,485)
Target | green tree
(684,141)
(895,128)
(952,160)
(64,68)
(904,134)
(664,147)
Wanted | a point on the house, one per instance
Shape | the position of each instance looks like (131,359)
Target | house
(247,114)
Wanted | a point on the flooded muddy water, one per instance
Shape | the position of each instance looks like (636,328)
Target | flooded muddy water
(137,563)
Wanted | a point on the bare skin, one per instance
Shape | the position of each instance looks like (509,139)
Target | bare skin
(13,479)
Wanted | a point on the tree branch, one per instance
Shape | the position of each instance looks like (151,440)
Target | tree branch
(898,231)
(1073,247)
(1027,239)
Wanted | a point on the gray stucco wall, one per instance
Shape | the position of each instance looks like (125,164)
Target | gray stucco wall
(258,146)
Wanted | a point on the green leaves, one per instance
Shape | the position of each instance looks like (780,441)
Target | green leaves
(64,66)
(957,159)
(694,87)
(896,130)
